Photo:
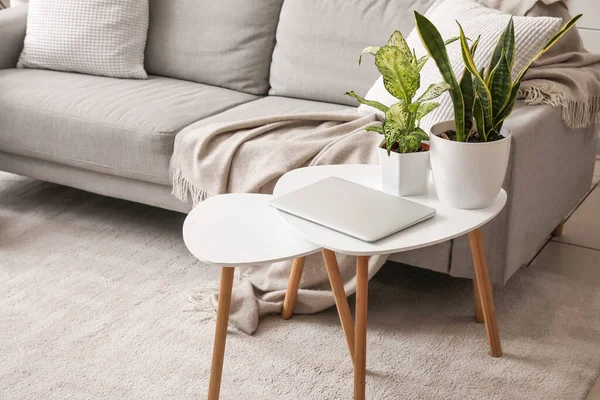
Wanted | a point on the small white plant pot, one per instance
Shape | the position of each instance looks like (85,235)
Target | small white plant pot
(468,175)
(404,174)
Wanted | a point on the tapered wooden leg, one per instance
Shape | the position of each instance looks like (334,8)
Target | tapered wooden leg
(559,229)
(224,305)
(360,349)
(477,303)
(485,292)
(341,302)
(289,303)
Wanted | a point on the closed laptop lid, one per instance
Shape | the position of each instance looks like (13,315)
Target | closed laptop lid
(355,210)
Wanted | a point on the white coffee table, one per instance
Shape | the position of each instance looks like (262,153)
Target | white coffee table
(448,223)
(235,230)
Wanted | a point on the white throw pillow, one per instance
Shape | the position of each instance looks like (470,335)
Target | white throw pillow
(95,37)
(531,34)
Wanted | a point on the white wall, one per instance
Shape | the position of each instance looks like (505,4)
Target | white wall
(589,24)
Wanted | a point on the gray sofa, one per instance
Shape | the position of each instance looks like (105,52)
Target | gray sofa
(232,59)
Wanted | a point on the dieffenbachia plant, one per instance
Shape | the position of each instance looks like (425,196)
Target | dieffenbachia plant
(488,95)
(401,72)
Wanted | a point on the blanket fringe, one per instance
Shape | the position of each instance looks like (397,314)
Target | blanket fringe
(576,113)
(182,187)
(199,298)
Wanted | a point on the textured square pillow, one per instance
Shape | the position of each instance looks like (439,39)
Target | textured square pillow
(531,34)
(95,37)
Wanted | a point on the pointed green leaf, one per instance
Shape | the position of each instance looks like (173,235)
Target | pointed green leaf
(474,46)
(420,134)
(483,96)
(368,50)
(397,40)
(423,60)
(481,90)
(372,103)
(468,93)
(392,131)
(506,45)
(399,114)
(479,117)
(466,87)
(425,109)
(400,78)
(434,43)
(548,45)
(508,108)
(500,85)
(377,129)
(434,91)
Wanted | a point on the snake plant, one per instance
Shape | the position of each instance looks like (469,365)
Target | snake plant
(487,95)
(401,72)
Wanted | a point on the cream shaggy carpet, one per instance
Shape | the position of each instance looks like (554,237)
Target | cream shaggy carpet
(92,308)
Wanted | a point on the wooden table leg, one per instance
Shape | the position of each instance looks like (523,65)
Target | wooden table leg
(289,303)
(341,302)
(224,305)
(360,350)
(477,303)
(485,292)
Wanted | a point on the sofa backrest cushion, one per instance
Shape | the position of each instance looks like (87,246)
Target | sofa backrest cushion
(225,43)
(318,44)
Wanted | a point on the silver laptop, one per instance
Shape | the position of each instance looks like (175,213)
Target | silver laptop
(355,210)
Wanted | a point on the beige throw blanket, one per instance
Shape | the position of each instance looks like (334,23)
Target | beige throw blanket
(249,156)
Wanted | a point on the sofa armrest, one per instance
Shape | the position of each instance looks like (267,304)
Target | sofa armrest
(13,24)
(550,171)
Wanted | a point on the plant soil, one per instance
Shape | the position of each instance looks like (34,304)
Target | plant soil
(451,135)
(423,147)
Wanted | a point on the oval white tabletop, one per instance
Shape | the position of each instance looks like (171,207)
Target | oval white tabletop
(241,229)
(447,224)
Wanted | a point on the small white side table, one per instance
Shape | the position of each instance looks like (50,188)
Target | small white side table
(448,223)
(235,230)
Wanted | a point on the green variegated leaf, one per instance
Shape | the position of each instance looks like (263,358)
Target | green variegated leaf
(466,87)
(399,114)
(479,117)
(434,91)
(413,107)
(506,45)
(434,43)
(397,40)
(368,50)
(420,134)
(372,103)
(484,98)
(392,132)
(481,90)
(508,108)
(377,129)
(411,143)
(500,85)
(424,109)
(400,78)
(421,62)
(468,93)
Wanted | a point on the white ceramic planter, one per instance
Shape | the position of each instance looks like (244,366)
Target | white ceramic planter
(468,175)
(404,174)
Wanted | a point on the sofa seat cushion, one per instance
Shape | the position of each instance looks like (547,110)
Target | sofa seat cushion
(115,126)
